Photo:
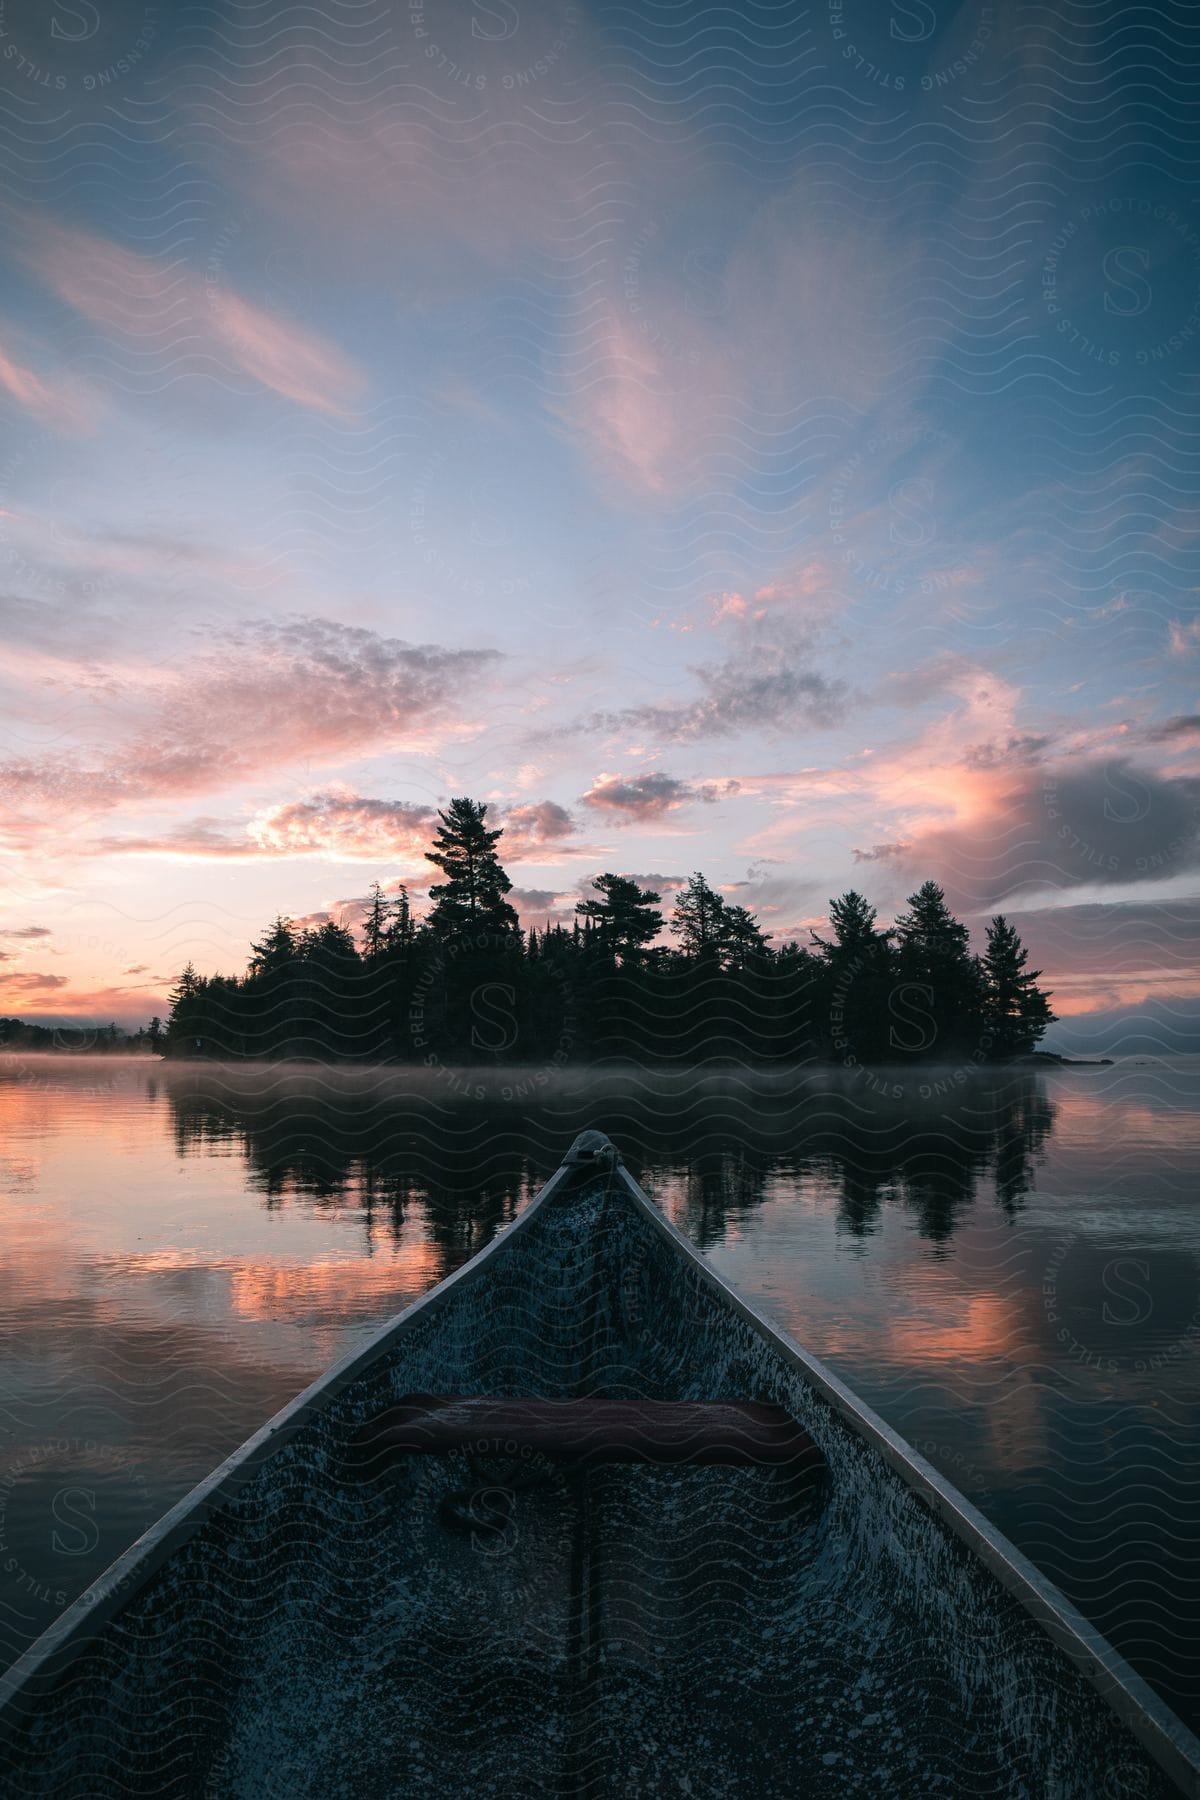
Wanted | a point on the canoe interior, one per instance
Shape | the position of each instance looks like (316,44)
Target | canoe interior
(491,1625)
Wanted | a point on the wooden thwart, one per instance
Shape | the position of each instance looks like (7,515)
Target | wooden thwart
(734,1433)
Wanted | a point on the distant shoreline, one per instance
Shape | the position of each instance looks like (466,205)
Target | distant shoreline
(1033,1059)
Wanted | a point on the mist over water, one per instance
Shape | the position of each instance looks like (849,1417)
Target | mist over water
(1005,1264)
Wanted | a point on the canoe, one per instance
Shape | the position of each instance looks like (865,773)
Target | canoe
(581,1522)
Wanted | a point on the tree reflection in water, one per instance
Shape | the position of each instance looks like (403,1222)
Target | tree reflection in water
(392,1144)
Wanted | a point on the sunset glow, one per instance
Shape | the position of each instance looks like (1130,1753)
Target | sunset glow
(372,438)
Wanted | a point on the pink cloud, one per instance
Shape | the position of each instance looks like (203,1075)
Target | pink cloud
(54,1000)
(622,405)
(194,840)
(269,695)
(287,359)
(730,606)
(1107,823)
(167,307)
(30,982)
(1184,639)
(63,405)
(346,826)
(531,828)
(798,325)
(815,580)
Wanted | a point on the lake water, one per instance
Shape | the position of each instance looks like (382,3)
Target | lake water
(1007,1269)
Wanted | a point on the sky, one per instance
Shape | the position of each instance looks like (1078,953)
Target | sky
(760,441)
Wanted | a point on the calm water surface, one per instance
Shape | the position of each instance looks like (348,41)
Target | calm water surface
(1009,1271)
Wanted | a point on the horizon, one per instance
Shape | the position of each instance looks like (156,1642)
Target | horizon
(809,508)
(1096,1033)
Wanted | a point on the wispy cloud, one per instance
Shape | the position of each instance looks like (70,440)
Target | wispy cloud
(161,302)
(32,982)
(267,696)
(765,683)
(60,402)
(1184,637)
(1184,728)
(344,826)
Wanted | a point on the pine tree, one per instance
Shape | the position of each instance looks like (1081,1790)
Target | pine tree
(933,957)
(278,949)
(375,924)
(931,929)
(398,931)
(854,983)
(334,943)
(698,920)
(742,937)
(1016,1010)
(854,930)
(185,1021)
(626,916)
(472,895)
(187,987)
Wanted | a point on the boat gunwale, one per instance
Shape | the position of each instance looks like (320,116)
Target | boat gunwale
(1165,1738)
(51,1654)
(1160,1732)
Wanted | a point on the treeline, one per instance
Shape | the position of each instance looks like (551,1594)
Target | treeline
(466,985)
(81,1040)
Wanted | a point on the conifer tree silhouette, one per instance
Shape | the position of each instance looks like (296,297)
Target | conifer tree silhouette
(473,894)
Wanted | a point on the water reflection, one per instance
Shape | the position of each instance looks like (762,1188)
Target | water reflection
(467,1164)
(1007,1269)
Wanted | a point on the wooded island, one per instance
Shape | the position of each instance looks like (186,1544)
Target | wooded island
(466,984)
